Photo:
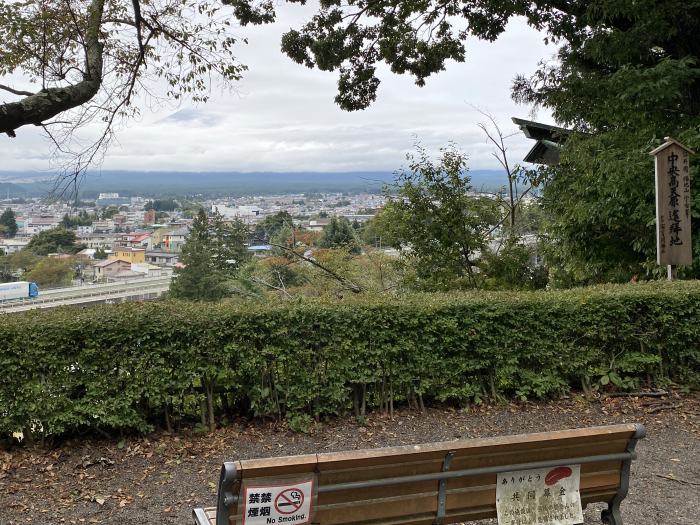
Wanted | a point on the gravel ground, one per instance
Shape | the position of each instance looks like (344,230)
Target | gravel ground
(159,478)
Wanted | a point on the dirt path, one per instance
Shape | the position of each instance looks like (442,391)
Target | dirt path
(160,478)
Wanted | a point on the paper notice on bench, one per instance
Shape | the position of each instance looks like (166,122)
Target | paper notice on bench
(547,496)
(288,503)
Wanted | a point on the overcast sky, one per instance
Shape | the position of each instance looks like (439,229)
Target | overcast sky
(282,116)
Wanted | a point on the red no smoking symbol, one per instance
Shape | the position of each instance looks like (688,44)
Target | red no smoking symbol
(289,501)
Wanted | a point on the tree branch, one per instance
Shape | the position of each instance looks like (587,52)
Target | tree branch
(47,103)
(16,91)
(354,288)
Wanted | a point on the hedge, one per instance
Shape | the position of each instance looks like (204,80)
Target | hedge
(138,366)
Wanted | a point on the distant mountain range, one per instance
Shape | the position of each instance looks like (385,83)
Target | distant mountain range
(176,183)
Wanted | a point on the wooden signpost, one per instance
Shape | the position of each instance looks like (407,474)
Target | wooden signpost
(673,205)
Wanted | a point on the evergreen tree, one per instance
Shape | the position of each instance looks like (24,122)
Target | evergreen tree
(271,226)
(9,222)
(211,255)
(55,240)
(228,244)
(100,253)
(339,233)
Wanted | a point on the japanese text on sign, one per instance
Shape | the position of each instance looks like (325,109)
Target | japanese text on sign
(540,497)
(673,213)
(288,503)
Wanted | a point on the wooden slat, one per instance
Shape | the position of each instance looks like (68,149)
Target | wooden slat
(456,515)
(607,475)
(463,499)
(282,466)
(482,446)
(362,472)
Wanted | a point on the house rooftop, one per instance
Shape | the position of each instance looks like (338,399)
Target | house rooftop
(108,262)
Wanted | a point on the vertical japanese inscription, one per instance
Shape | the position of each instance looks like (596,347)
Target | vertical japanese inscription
(673,204)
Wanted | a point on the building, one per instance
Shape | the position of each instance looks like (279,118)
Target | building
(174,240)
(130,255)
(35,225)
(105,226)
(358,218)
(87,253)
(112,199)
(134,240)
(98,240)
(9,246)
(149,217)
(260,250)
(248,214)
(150,270)
(317,225)
(548,139)
(162,258)
(105,270)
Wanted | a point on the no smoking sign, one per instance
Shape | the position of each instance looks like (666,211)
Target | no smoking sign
(288,503)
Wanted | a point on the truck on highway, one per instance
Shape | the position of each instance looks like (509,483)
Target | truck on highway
(18,290)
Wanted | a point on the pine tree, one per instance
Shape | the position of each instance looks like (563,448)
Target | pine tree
(9,222)
(228,241)
(200,279)
(339,233)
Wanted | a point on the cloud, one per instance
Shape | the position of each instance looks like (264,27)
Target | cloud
(195,116)
(281,116)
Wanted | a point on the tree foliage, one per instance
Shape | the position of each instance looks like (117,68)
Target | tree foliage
(83,218)
(8,223)
(339,233)
(134,366)
(162,205)
(212,255)
(51,272)
(55,240)
(271,226)
(93,58)
(437,221)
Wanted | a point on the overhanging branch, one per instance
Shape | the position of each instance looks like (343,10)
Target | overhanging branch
(38,107)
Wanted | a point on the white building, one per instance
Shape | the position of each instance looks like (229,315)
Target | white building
(12,245)
(34,225)
(248,214)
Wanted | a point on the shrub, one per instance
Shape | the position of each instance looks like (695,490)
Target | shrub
(139,365)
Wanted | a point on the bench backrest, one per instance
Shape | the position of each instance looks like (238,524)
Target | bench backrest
(449,482)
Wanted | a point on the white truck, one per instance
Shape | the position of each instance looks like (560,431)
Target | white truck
(18,290)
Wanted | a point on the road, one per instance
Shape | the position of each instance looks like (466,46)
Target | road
(133,289)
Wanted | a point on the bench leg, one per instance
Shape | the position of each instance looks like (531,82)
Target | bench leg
(612,515)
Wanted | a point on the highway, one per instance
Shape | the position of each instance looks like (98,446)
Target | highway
(132,289)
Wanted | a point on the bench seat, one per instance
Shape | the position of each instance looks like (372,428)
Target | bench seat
(448,482)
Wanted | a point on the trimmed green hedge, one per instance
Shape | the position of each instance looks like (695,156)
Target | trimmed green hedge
(139,365)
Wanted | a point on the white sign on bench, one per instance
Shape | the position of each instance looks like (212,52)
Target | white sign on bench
(545,496)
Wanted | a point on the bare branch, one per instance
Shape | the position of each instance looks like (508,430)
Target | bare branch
(354,288)
(16,91)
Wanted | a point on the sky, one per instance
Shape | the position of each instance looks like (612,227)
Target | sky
(281,116)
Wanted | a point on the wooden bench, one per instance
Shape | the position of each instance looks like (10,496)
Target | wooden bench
(436,483)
